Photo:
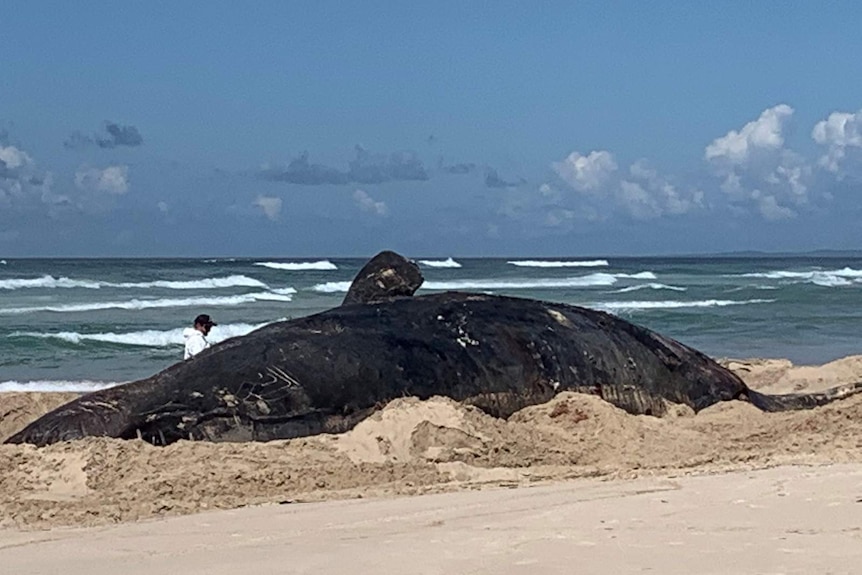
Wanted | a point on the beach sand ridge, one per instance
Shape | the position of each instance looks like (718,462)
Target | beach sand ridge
(414,447)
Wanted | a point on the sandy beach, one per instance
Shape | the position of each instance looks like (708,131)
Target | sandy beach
(729,490)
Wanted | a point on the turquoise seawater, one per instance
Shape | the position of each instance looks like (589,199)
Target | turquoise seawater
(86,323)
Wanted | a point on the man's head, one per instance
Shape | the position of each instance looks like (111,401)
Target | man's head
(204,323)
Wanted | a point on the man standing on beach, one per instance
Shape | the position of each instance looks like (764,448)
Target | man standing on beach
(196,340)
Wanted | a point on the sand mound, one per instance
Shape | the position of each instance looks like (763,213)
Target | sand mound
(437,429)
(781,376)
(413,446)
(19,409)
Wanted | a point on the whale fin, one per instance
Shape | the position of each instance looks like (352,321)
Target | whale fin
(795,401)
(386,276)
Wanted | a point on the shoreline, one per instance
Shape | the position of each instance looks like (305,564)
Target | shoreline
(414,447)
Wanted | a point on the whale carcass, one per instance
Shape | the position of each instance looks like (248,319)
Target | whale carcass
(328,371)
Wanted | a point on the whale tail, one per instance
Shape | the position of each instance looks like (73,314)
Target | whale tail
(794,401)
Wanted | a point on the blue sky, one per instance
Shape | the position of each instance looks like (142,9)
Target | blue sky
(435,129)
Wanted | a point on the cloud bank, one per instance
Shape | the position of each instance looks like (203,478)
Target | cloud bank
(640,192)
(749,171)
(365,168)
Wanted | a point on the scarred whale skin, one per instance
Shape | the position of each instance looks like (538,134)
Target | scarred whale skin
(326,372)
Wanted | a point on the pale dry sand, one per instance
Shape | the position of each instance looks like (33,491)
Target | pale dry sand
(682,489)
(783,520)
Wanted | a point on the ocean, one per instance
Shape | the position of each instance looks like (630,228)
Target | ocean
(84,324)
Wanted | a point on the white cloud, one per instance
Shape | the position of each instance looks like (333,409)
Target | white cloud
(637,201)
(587,174)
(769,208)
(13,158)
(112,180)
(368,204)
(765,133)
(838,132)
(840,128)
(549,193)
(655,195)
(792,178)
(643,193)
(20,182)
(758,172)
(270,205)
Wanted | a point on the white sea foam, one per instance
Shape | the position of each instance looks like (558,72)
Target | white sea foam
(751,286)
(273,296)
(146,338)
(138,304)
(655,286)
(299,266)
(82,386)
(824,278)
(447,263)
(332,287)
(3,262)
(637,276)
(617,306)
(558,264)
(591,280)
(48,281)
(207,283)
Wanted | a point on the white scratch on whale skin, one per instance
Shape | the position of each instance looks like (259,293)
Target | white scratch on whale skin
(559,317)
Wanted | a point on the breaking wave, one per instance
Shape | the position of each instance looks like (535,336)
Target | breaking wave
(592,280)
(299,266)
(637,276)
(825,278)
(146,338)
(83,386)
(654,286)
(558,264)
(138,304)
(332,287)
(447,263)
(48,281)
(617,306)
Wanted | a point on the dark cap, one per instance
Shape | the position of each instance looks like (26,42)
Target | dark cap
(204,319)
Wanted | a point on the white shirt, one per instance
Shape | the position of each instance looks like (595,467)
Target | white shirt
(195,342)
